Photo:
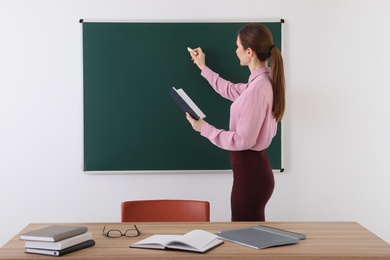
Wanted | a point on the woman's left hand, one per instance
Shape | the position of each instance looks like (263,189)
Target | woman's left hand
(196,124)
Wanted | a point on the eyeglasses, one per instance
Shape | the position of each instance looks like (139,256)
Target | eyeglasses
(112,233)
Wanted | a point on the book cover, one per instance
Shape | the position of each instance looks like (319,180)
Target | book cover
(68,250)
(186,103)
(282,232)
(257,237)
(53,233)
(62,244)
(197,241)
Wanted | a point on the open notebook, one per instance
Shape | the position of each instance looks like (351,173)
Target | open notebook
(197,241)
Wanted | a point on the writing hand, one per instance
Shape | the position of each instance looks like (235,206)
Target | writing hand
(199,58)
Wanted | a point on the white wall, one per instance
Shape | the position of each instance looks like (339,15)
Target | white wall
(337,124)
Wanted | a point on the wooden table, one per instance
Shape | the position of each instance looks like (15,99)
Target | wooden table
(325,240)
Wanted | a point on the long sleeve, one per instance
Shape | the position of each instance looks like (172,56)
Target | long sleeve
(252,125)
(223,87)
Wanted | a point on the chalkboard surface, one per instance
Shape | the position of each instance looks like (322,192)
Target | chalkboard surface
(130,121)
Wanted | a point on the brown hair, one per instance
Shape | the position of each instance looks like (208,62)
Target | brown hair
(259,38)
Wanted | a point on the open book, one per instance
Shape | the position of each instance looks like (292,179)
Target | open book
(186,104)
(196,240)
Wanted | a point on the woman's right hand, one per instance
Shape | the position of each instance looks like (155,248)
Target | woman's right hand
(199,58)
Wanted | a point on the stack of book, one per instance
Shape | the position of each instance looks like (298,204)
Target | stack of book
(57,240)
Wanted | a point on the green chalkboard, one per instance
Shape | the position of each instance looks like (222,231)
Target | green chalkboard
(130,121)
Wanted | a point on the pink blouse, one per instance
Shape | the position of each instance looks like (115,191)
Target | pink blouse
(252,125)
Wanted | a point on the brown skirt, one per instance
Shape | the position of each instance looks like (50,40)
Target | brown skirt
(253,184)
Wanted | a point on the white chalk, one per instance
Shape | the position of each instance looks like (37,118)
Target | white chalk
(191,50)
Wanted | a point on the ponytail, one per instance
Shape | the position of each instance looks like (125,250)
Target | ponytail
(278,83)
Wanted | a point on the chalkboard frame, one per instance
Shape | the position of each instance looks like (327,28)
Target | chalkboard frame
(97,170)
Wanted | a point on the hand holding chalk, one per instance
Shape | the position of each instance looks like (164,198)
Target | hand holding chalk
(191,50)
(198,57)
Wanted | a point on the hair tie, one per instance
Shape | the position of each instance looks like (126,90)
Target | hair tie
(270,48)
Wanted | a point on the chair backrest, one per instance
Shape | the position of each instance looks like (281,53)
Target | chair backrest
(165,211)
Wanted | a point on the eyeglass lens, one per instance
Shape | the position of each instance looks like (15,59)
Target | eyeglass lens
(131,232)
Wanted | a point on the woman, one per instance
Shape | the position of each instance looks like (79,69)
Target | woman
(257,107)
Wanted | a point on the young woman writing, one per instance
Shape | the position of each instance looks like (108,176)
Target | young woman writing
(256,109)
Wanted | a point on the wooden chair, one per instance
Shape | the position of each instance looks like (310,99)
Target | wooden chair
(165,211)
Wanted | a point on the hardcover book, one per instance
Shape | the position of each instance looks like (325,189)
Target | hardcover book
(260,237)
(61,252)
(186,103)
(53,233)
(62,244)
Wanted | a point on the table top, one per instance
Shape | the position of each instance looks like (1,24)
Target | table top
(330,240)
